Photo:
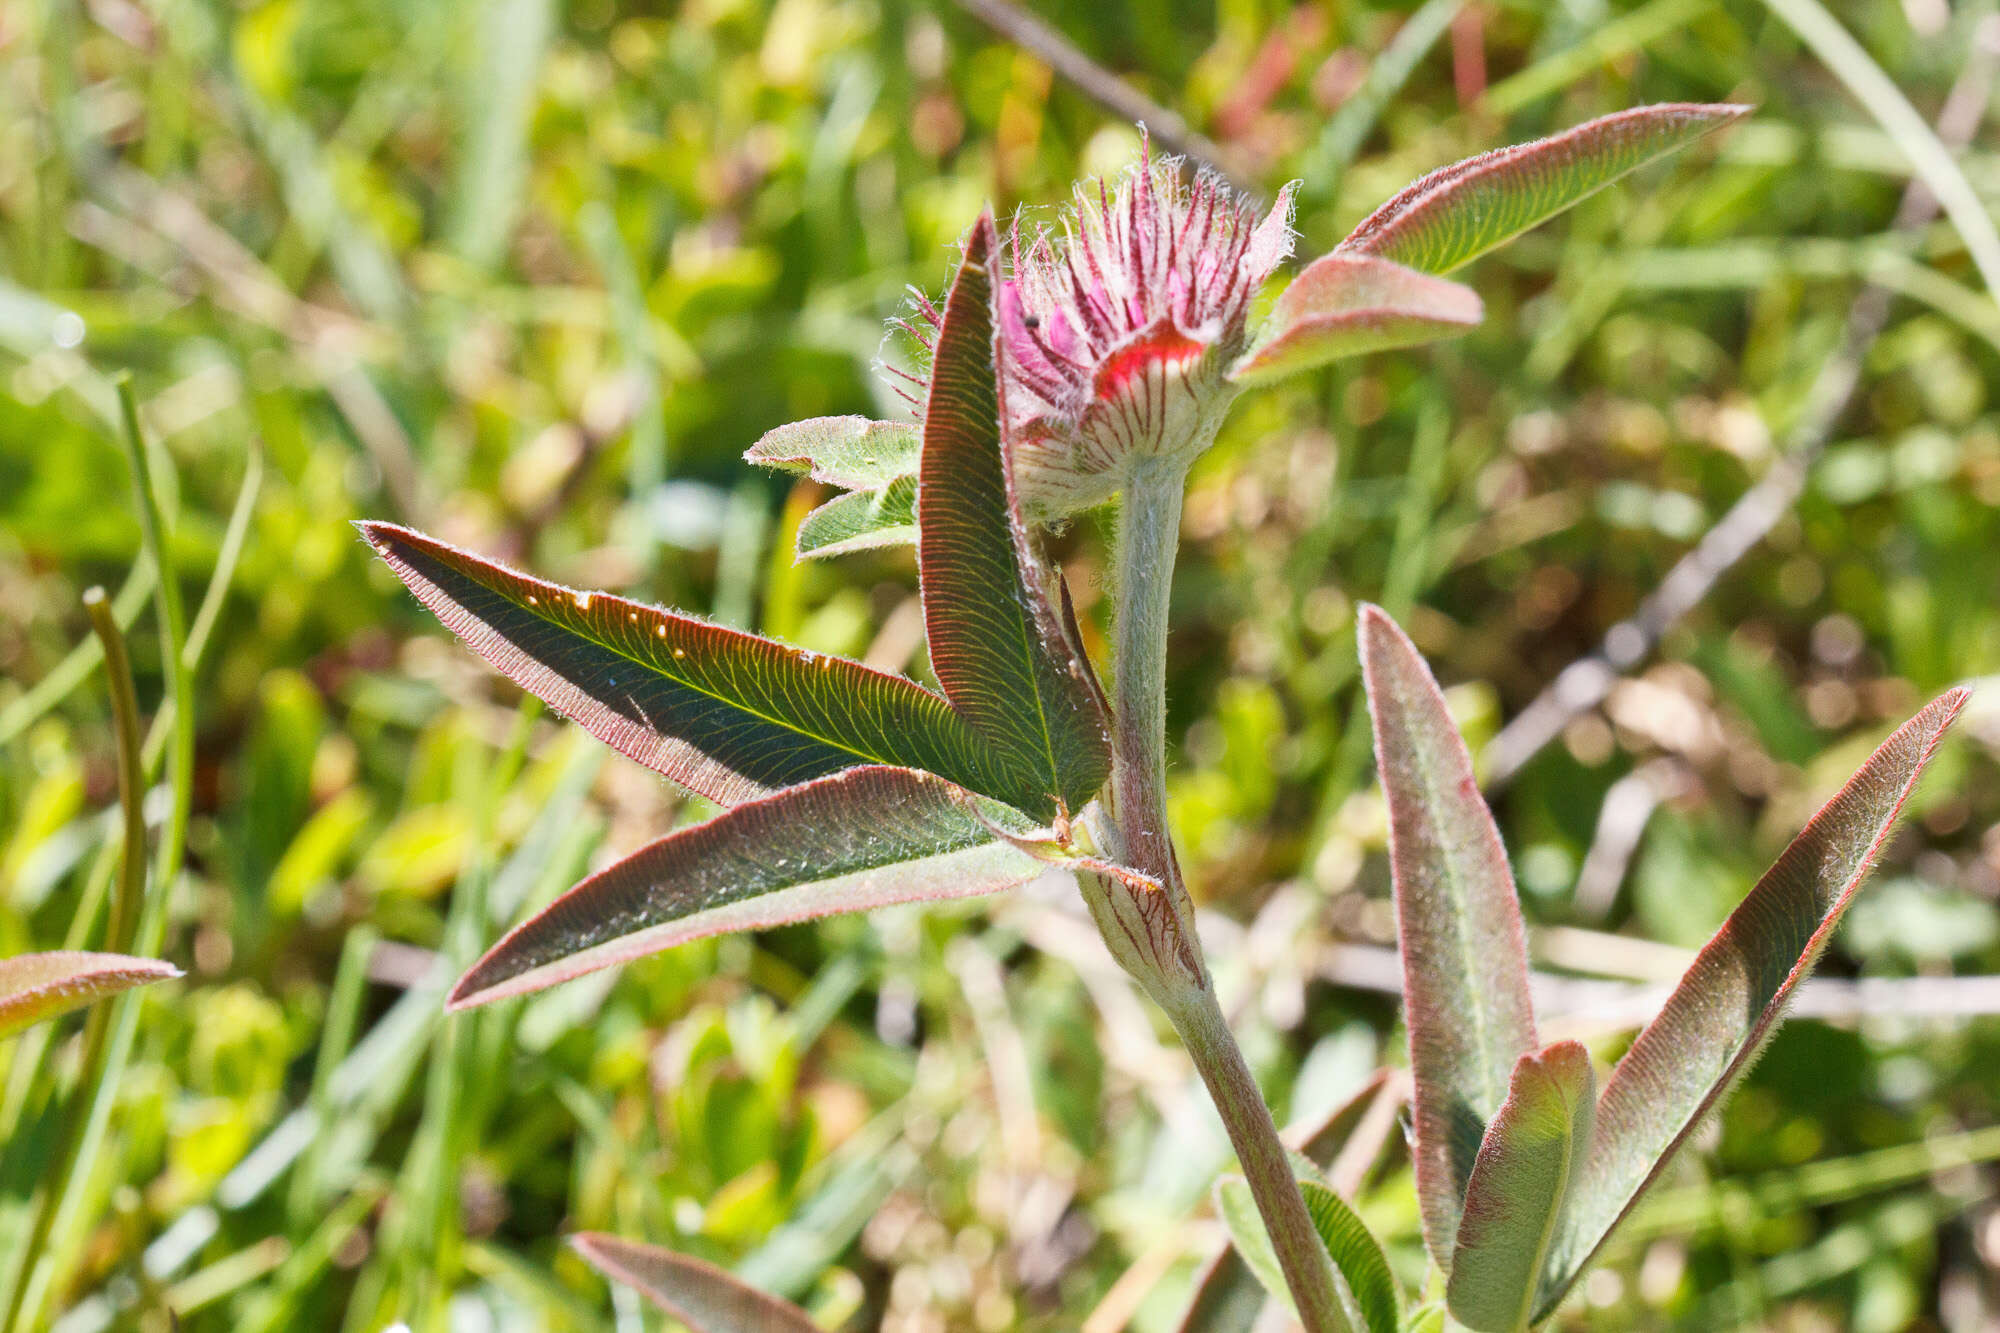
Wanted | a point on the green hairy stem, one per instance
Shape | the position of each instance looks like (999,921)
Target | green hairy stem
(1152,933)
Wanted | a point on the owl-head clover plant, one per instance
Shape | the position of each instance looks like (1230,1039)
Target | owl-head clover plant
(1066,366)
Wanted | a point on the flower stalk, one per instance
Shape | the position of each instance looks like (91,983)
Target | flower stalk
(1152,933)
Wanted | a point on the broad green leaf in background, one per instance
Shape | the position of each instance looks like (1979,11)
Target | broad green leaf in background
(1348,304)
(1458,925)
(1374,1304)
(726,714)
(861,521)
(1459,212)
(853,453)
(700,1295)
(996,645)
(1731,998)
(38,986)
(864,838)
(1522,1182)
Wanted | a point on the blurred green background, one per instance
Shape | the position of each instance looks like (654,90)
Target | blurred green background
(531,274)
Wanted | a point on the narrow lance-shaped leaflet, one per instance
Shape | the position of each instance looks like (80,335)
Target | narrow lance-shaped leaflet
(39,986)
(861,839)
(1732,997)
(1459,212)
(726,714)
(1458,925)
(1527,1171)
(996,644)
(700,1295)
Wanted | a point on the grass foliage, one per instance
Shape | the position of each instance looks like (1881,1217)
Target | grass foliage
(532,277)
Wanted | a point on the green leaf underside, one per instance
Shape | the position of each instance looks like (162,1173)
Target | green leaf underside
(1459,212)
(1227,1296)
(995,644)
(1527,1170)
(700,1295)
(862,521)
(853,453)
(1364,1270)
(1458,925)
(1348,304)
(865,838)
(1731,998)
(726,714)
(35,987)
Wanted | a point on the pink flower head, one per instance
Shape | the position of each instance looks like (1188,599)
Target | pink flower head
(1116,329)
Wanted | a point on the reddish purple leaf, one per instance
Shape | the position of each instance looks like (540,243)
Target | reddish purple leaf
(700,1295)
(38,986)
(1733,996)
(1461,211)
(996,643)
(861,839)
(1347,304)
(1527,1170)
(1458,925)
(726,714)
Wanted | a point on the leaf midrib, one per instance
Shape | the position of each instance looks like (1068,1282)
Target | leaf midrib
(1551,1219)
(1461,937)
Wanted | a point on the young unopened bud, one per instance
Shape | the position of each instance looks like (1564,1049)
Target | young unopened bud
(1118,327)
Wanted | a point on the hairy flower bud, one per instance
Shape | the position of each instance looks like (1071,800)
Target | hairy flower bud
(1117,328)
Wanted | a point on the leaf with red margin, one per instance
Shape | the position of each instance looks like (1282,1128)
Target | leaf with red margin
(39,986)
(1458,926)
(726,714)
(995,642)
(1459,212)
(861,839)
(1348,304)
(1528,1168)
(1732,997)
(700,1295)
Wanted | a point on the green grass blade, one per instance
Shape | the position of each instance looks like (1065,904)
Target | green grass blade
(726,714)
(1903,123)
(1732,997)
(996,645)
(1349,304)
(1527,1169)
(1459,212)
(700,1295)
(865,838)
(1458,925)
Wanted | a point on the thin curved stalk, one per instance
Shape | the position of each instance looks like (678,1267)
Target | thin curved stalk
(31,1292)
(125,906)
